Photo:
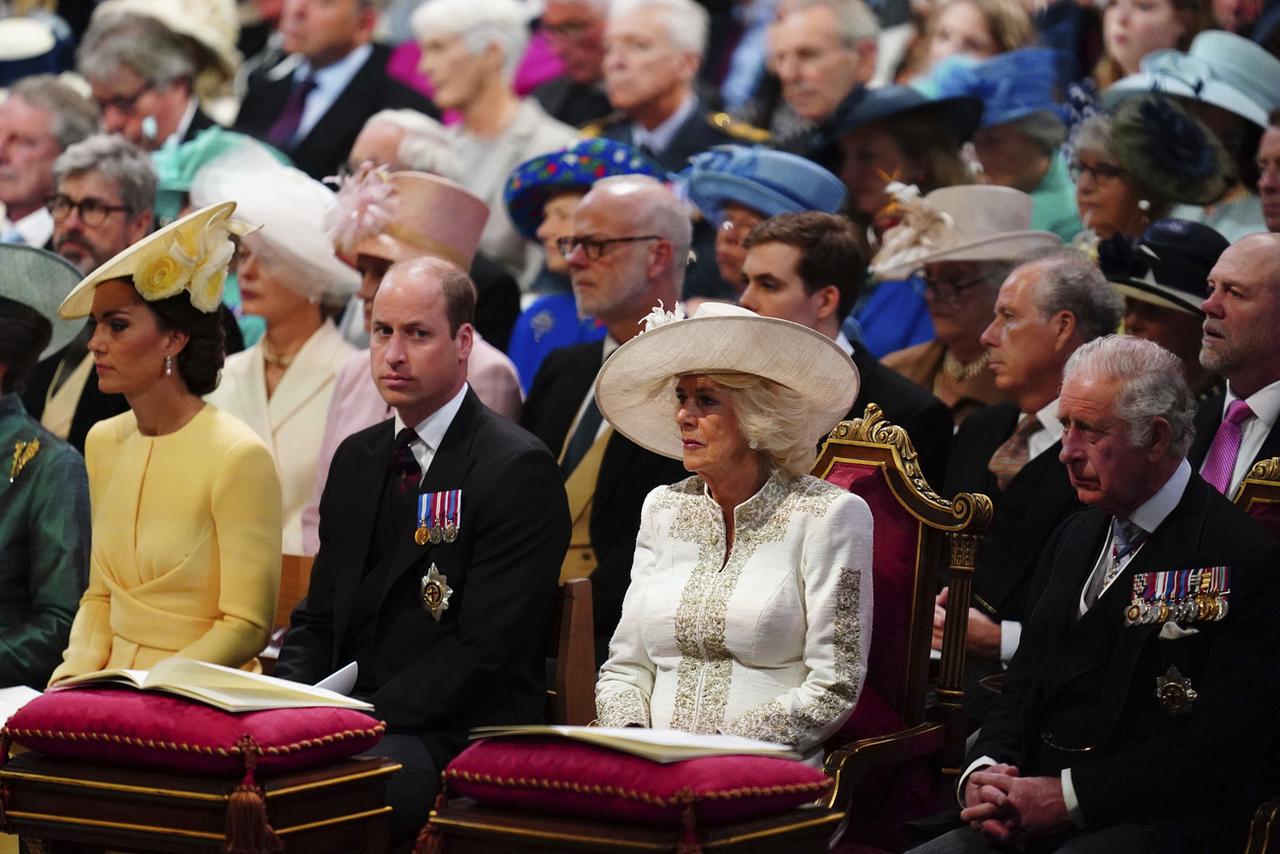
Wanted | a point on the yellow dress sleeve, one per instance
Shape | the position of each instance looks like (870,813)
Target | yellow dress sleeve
(246,507)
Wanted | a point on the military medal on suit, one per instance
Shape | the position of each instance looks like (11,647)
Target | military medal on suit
(439,517)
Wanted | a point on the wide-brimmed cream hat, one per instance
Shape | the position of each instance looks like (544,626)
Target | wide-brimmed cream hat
(190,254)
(40,280)
(966,223)
(720,338)
(214,25)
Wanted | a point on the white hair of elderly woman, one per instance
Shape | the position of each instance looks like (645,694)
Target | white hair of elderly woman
(290,206)
(426,146)
(480,23)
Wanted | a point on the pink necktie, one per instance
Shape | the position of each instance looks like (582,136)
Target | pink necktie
(1220,462)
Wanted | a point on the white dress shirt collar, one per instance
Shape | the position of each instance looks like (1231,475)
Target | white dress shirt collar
(843,342)
(1152,512)
(1265,403)
(430,431)
(1043,440)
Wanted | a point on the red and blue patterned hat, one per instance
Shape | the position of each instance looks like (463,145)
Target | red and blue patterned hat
(533,182)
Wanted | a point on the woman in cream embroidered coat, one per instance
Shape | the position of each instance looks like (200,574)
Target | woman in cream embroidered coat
(282,385)
(750,599)
(186,506)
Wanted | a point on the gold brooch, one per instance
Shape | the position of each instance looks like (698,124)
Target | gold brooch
(23,453)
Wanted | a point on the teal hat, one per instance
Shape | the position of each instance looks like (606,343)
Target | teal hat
(176,165)
(40,280)
(577,167)
(771,182)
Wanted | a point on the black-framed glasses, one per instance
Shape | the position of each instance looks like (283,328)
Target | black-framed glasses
(594,248)
(941,288)
(93,211)
(1101,173)
(125,103)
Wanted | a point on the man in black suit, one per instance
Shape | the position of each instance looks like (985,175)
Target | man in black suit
(142,75)
(39,118)
(806,268)
(1137,713)
(441,534)
(1045,310)
(575,29)
(1237,427)
(313,104)
(104,189)
(630,239)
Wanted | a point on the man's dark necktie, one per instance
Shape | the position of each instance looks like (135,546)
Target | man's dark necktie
(282,131)
(583,437)
(404,465)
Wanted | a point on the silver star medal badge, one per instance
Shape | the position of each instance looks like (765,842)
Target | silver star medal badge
(435,592)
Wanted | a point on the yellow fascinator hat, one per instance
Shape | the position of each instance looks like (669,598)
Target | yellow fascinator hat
(190,254)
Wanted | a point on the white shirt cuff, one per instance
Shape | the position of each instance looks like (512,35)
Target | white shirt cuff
(977,765)
(1070,799)
(1010,634)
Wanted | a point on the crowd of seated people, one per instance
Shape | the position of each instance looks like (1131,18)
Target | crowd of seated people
(299,278)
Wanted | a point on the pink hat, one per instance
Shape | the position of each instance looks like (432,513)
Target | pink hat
(400,215)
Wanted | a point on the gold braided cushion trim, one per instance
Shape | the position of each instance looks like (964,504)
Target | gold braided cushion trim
(680,798)
(17,734)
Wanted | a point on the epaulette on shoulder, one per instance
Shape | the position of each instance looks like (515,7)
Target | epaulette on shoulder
(596,128)
(739,130)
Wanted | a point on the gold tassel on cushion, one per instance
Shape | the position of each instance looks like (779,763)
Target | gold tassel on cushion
(247,829)
(430,839)
(689,843)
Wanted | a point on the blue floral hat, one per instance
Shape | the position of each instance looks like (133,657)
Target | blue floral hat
(533,182)
(1011,85)
(771,182)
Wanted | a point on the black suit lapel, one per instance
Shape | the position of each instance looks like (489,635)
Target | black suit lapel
(1270,446)
(448,470)
(367,488)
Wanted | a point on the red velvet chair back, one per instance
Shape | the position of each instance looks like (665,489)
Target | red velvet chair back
(921,542)
(1259,494)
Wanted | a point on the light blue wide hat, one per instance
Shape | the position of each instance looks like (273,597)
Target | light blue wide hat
(1220,68)
(1010,85)
(770,182)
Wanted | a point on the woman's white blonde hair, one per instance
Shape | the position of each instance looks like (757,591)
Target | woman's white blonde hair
(770,417)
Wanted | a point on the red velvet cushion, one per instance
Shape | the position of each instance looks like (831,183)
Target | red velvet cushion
(896,540)
(581,779)
(162,731)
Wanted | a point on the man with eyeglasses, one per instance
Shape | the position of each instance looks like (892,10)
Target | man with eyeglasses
(1046,309)
(142,75)
(576,32)
(627,255)
(39,118)
(103,191)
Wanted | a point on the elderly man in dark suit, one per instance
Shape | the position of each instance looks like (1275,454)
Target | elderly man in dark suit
(1045,310)
(313,104)
(626,255)
(806,268)
(1236,428)
(441,534)
(1136,715)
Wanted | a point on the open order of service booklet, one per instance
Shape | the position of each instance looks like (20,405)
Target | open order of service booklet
(659,745)
(222,687)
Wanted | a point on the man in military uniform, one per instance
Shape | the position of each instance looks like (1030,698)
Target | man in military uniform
(652,52)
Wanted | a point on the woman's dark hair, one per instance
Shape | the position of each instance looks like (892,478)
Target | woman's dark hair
(24,333)
(200,361)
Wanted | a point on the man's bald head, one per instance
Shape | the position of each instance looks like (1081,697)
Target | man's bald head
(1241,314)
(651,206)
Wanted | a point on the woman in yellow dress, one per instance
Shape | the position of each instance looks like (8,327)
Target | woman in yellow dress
(185,498)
